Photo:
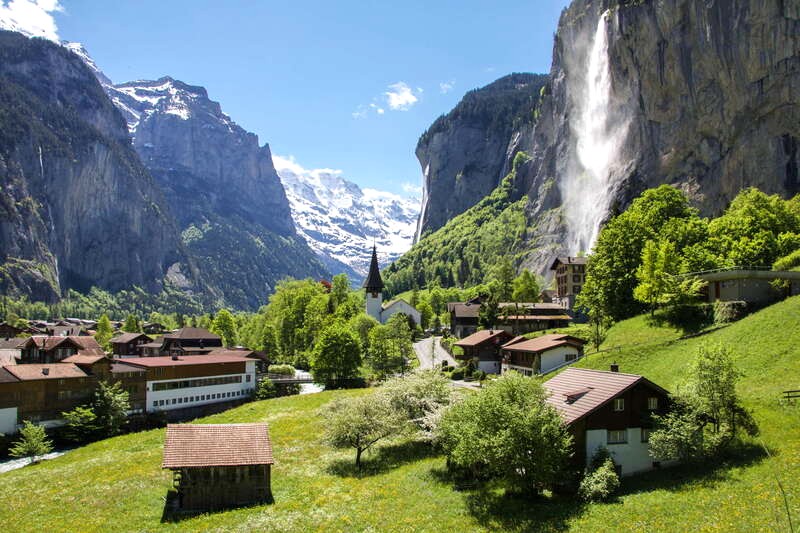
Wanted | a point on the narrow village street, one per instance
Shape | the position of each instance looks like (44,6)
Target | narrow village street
(431,354)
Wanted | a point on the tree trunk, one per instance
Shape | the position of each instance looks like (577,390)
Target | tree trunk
(358,458)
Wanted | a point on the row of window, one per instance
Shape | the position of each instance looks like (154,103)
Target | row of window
(204,397)
(652,403)
(202,382)
(620,436)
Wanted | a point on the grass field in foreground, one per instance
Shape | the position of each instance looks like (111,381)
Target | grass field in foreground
(117,484)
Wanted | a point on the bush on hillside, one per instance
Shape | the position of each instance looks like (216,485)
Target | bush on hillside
(457,374)
(283,370)
(600,484)
(727,312)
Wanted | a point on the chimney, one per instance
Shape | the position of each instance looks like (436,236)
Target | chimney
(614,367)
(46,371)
(174,357)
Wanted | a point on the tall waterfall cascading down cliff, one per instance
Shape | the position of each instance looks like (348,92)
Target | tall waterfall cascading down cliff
(599,124)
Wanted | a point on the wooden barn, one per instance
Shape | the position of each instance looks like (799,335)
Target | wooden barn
(219,466)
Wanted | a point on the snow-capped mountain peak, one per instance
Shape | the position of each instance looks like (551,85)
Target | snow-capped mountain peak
(340,221)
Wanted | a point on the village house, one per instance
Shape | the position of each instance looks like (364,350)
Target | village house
(541,354)
(483,348)
(464,317)
(611,410)
(178,382)
(219,466)
(7,331)
(188,341)
(747,284)
(514,317)
(129,343)
(518,318)
(40,393)
(374,297)
(570,276)
(47,349)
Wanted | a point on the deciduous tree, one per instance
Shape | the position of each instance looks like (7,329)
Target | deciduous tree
(33,443)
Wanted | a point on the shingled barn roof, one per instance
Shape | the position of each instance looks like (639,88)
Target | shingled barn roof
(203,445)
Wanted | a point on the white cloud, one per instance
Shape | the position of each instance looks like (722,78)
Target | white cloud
(446,86)
(31,17)
(360,112)
(400,97)
(288,164)
(411,188)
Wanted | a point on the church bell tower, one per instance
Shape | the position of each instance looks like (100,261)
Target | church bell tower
(374,286)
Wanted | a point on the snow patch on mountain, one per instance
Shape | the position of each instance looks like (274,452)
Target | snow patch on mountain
(340,221)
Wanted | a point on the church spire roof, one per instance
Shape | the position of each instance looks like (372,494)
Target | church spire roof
(374,283)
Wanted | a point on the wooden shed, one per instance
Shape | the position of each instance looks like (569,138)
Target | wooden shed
(218,466)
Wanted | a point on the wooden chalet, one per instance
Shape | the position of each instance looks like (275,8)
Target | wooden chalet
(219,466)
(464,317)
(483,348)
(189,341)
(611,410)
(527,317)
(7,331)
(129,343)
(48,349)
(541,354)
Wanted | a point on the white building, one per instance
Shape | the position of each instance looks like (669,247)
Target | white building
(375,306)
(541,354)
(192,380)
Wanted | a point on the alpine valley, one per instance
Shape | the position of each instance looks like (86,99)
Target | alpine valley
(222,227)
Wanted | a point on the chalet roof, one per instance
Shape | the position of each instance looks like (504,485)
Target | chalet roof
(192,333)
(465,309)
(6,376)
(543,343)
(33,372)
(84,345)
(568,261)
(168,361)
(577,392)
(530,306)
(494,336)
(374,282)
(79,359)
(534,317)
(125,338)
(12,343)
(118,367)
(88,346)
(70,330)
(154,344)
(200,445)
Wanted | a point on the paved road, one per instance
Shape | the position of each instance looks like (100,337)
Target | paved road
(430,353)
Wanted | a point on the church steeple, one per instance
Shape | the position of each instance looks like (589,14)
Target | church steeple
(374,283)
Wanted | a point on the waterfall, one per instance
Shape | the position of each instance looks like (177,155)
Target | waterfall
(422,210)
(599,125)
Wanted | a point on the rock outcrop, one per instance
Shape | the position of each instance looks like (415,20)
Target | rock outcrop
(466,153)
(78,208)
(222,187)
(704,95)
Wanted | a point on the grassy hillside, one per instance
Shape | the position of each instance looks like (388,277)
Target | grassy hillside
(117,484)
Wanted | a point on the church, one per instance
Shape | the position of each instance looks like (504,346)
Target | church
(375,306)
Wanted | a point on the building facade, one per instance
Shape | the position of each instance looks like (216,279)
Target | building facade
(611,410)
(542,354)
(570,276)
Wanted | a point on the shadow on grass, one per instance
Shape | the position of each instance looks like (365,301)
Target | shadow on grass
(708,472)
(383,459)
(496,509)
(172,513)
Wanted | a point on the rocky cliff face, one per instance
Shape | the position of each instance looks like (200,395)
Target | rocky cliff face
(465,153)
(708,94)
(704,95)
(77,208)
(222,188)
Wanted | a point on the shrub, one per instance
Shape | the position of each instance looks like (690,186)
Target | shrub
(266,390)
(283,370)
(599,484)
(726,312)
(458,373)
(480,375)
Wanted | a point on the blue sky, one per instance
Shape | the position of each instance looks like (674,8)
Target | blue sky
(336,84)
